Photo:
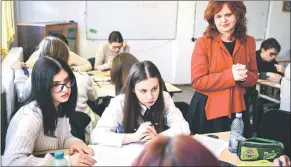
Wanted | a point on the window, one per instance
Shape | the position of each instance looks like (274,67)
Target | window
(8,26)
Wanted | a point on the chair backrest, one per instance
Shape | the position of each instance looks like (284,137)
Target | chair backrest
(276,126)
(92,62)
(183,106)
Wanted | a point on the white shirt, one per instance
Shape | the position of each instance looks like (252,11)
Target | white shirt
(104,132)
(285,90)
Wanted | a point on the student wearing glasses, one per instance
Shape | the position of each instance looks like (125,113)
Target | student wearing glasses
(42,123)
(142,112)
(106,53)
(54,47)
(268,67)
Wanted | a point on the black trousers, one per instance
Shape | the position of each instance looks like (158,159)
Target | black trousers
(78,122)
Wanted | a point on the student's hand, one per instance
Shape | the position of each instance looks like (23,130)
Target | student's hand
(81,159)
(273,76)
(124,45)
(284,159)
(280,68)
(98,67)
(143,132)
(18,65)
(80,147)
(239,72)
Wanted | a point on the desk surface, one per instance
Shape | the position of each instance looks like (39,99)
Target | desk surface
(283,59)
(226,155)
(269,83)
(106,88)
(132,150)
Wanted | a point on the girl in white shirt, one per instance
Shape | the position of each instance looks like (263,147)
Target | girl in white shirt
(125,120)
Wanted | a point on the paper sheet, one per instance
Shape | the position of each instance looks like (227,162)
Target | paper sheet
(216,146)
(115,156)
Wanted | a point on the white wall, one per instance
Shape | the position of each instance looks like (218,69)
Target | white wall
(171,56)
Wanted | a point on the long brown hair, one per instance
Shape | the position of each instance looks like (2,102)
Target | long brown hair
(236,7)
(139,72)
(181,150)
(121,65)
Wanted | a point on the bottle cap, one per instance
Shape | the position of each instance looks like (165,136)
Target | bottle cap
(238,115)
(59,155)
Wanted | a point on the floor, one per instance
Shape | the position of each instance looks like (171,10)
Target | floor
(186,95)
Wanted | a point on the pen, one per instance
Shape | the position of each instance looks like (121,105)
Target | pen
(96,83)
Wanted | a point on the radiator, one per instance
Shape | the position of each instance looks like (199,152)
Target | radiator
(15,53)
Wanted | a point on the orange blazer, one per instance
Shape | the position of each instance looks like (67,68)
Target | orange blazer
(211,74)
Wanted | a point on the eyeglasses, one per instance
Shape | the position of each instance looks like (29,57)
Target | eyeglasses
(57,88)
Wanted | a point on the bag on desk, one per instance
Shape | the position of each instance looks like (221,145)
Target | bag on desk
(259,148)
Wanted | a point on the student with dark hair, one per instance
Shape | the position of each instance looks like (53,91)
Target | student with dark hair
(106,53)
(76,62)
(268,67)
(54,47)
(142,112)
(180,150)
(42,123)
(121,65)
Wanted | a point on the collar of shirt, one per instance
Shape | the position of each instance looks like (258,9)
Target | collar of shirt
(143,108)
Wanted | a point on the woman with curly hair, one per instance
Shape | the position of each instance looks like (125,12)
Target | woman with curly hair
(223,65)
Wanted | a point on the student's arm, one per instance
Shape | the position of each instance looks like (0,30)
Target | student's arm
(20,148)
(22,84)
(78,63)
(201,79)
(174,119)
(32,59)
(252,74)
(100,57)
(104,132)
(91,92)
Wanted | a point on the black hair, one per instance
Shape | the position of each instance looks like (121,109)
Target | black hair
(115,36)
(45,68)
(271,43)
(141,71)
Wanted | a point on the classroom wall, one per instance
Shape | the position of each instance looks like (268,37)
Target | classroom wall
(171,56)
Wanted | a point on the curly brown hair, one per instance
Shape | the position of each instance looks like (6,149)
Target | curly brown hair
(237,8)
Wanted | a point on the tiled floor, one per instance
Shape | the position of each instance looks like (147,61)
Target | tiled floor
(186,95)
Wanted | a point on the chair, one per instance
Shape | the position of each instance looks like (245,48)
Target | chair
(78,121)
(276,126)
(92,62)
(183,106)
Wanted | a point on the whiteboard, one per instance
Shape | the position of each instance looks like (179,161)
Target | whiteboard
(134,19)
(257,15)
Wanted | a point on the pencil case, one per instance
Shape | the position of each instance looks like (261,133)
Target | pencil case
(257,148)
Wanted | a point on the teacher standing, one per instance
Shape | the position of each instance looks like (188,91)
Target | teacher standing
(223,64)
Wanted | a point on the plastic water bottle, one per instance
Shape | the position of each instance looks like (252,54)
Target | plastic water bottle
(236,134)
(59,159)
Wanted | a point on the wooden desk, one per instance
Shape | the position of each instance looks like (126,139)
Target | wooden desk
(105,88)
(270,84)
(226,155)
(283,59)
